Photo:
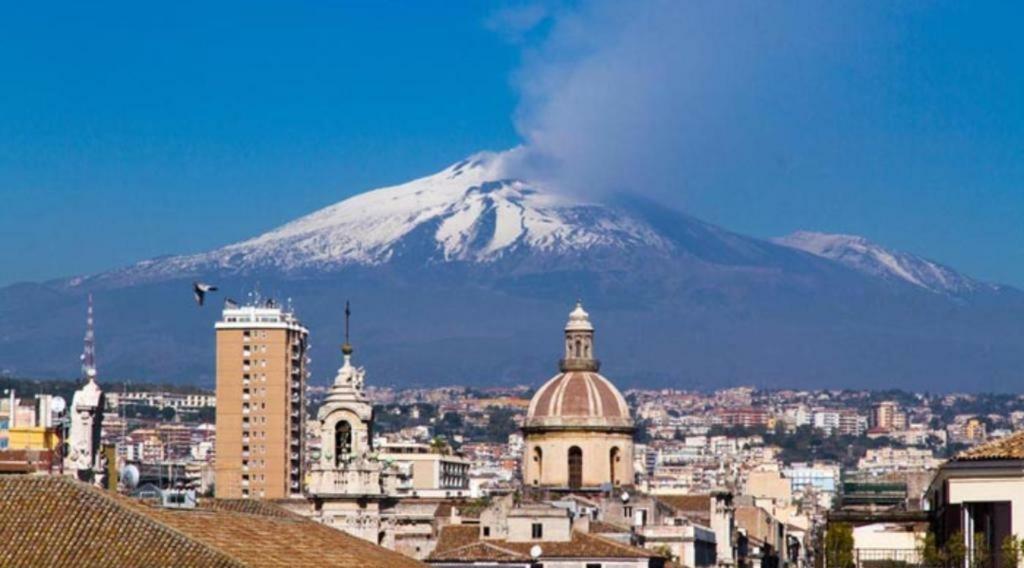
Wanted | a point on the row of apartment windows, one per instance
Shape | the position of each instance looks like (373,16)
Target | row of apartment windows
(259,333)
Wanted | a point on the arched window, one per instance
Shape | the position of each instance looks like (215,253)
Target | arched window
(342,441)
(613,460)
(538,458)
(575,467)
(578,345)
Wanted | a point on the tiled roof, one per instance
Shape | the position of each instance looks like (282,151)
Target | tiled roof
(48,521)
(1008,448)
(51,521)
(599,527)
(248,506)
(459,543)
(688,503)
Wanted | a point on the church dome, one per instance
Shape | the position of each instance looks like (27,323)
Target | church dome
(579,397)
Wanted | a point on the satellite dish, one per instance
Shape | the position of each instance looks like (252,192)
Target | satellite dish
(536,551)
(625,497)
(58,404)
(130,476)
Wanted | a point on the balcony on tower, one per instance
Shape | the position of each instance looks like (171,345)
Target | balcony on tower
(586,364)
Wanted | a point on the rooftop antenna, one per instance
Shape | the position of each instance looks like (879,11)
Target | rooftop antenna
(346,348)
(124,424)
(89,347)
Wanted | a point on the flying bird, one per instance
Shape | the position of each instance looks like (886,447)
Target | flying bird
(199,290)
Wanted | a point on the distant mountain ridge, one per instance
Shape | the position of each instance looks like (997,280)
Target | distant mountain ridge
(863,255)
(465,276)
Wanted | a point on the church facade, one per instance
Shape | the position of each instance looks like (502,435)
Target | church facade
(578,431)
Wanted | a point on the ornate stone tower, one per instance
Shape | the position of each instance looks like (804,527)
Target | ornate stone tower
(578,429)
(84,459)
(348,481)
(346,417)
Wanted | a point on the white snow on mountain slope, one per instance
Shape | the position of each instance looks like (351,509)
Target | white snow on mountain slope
(468,212)
(863,255)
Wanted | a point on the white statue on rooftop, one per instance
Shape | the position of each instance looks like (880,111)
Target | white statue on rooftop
(86,413)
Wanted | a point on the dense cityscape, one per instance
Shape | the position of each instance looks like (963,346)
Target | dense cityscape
(737,476)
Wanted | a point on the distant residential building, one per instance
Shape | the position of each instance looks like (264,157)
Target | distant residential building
(974,430)
(432,473)
(888,416)
(841,422)
(157,399)
(27,424)
(261,378)
(898,459)
(819,477)
(743,417)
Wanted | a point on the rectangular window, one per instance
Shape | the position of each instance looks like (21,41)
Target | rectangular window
(487,532)
(593,565)
(538,531)
(627,511)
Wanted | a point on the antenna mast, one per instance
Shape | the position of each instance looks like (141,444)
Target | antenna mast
(89,348)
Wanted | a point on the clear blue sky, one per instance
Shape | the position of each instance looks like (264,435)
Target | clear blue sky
(130,130)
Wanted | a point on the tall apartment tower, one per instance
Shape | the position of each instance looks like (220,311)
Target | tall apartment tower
(261,384)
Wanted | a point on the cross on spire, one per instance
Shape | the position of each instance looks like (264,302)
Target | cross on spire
(346,348)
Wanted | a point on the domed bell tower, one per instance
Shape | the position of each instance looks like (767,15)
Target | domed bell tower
(579,343)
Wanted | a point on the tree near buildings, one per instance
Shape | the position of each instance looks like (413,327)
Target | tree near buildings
(956,549)
(1012,550)
(839,546)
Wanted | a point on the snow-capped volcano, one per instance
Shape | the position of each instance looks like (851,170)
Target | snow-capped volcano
(468,212)
(871,258)
(465,276)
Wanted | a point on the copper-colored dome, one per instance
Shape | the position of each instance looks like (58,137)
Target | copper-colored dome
(578,398)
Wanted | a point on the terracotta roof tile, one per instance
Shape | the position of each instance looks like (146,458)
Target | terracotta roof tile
(458,543)
(599,527)
(1008,448)
(56,521)
(688,503)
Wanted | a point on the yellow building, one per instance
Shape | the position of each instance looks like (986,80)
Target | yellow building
(578,429)
(261,378)
(32,438)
